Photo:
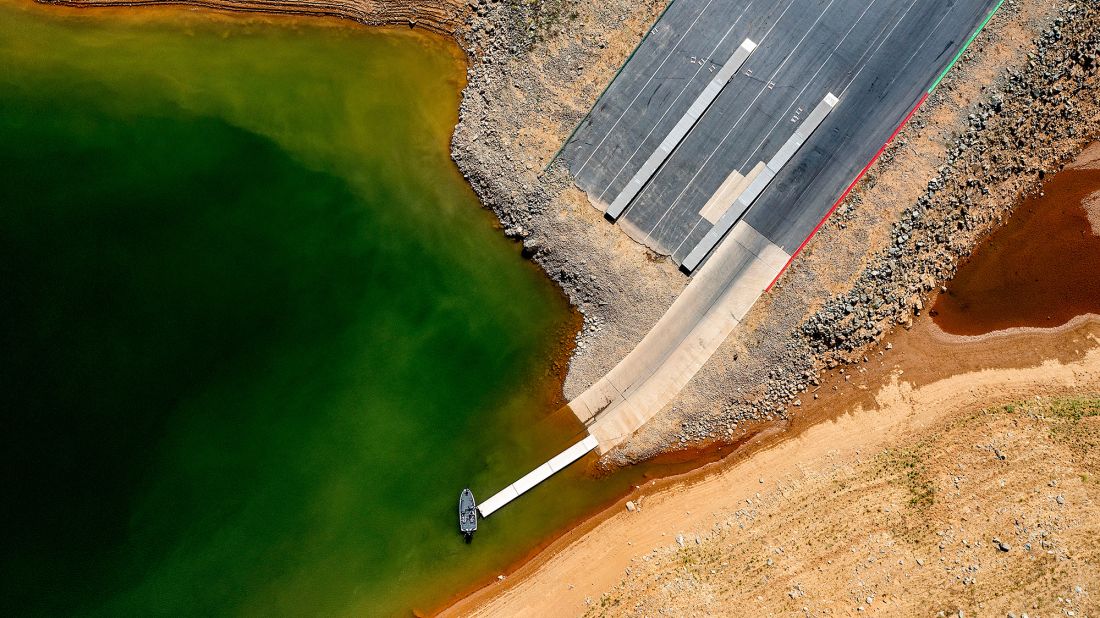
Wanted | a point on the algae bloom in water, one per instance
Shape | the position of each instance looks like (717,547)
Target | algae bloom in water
(257,332)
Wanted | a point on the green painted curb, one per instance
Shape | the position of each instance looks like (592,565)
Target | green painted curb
(964,48)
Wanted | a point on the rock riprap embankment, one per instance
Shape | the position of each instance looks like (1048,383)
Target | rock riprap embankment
(1034,121)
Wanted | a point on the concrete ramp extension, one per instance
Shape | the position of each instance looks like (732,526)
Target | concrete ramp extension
(700,319)
(536,476)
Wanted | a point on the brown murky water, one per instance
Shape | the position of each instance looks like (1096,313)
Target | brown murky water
(1041,269)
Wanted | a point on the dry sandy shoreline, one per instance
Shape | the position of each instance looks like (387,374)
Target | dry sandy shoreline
(911,396)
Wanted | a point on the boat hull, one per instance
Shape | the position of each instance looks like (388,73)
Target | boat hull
(467,514)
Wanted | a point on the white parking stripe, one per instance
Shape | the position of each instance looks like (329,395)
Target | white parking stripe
(762,39)
(779,119)
(890,33)
(918,50)
(646,85)
(670,105)
(778,161)
(787,59)
(683,126)
(828,58)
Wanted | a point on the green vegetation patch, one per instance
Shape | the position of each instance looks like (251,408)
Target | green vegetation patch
(907,466)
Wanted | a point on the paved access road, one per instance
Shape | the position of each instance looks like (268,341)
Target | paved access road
(877,56)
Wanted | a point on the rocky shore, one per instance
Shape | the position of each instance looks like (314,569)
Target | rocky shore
(1034,121)
(536,69)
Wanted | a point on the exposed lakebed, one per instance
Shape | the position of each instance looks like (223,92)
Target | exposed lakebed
(1041,269)
(258,333)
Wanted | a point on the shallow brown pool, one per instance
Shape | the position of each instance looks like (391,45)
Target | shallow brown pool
(1041,269)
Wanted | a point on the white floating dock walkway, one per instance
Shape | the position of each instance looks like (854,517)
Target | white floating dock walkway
(536,476)
(678,132)
(753,191)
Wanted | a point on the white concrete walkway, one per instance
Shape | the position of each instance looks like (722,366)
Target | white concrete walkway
(700,319)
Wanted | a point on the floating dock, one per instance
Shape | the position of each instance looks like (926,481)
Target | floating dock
(536,476)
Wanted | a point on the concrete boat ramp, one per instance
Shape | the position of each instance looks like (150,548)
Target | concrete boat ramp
(731,168)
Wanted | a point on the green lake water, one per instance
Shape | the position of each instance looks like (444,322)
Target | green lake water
(257,331)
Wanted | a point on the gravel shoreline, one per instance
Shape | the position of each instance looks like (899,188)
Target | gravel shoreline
(536,69)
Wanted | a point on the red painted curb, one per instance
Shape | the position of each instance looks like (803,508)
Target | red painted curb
(849,189)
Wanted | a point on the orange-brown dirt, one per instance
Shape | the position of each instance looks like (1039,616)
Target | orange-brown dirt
(903,490)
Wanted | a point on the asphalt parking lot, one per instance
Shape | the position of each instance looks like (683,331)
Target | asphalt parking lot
(877,57)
